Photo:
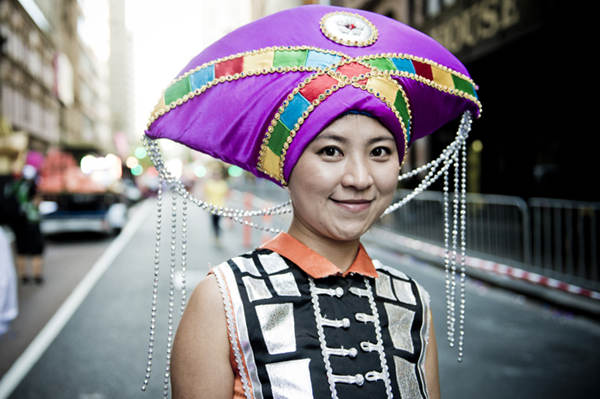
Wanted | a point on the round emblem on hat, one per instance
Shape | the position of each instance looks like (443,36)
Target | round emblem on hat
(349,29)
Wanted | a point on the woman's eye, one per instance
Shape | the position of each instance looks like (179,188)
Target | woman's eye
(380,152)
(330,151)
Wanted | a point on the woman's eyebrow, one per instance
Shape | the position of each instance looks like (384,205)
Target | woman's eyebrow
(380,138)
(331,136)
(341,139)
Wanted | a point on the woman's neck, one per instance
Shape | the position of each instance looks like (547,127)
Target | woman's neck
(340,253)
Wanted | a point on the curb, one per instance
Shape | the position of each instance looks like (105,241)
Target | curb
(510,277)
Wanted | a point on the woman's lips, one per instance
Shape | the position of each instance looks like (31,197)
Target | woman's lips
(353,205)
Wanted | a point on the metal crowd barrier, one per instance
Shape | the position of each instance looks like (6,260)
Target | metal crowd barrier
(558,238)
(565,237)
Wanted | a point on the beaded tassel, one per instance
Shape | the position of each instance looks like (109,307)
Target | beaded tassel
(156,262)
(463,251)
(172,263)
(454,247)
(183,253)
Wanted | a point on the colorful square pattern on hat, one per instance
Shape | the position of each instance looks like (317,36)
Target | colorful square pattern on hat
(333,70)
(302,58)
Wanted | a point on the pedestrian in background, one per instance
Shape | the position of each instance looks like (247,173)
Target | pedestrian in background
(26,226)
(215,191)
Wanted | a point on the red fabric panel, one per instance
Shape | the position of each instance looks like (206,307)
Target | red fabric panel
(229,67)
(423,70)
(317,86)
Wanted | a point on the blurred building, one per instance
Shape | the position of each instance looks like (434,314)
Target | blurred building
(121,82)
(54,88)
(517,51)
(27,75)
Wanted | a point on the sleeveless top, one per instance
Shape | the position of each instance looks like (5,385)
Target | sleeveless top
(298,328)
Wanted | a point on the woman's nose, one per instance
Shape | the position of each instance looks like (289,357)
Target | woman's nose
(357,175)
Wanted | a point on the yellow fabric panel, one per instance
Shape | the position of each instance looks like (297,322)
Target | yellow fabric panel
(384,87)
(259,61)
(442,77)
(161,106)
(271,163)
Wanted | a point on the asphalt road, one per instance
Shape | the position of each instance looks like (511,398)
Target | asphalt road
(67,259)
(515,347)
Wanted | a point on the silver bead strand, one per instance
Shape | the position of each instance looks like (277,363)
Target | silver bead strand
(463,243)
(447,260)
(237,215)
(172,263)
(454,252)
(156,262)
(184,212)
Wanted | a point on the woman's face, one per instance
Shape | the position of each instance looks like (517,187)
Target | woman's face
(344,179)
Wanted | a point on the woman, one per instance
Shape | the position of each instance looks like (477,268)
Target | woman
(323,101)
(343,181)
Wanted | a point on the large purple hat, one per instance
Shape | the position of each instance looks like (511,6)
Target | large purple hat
(259,95)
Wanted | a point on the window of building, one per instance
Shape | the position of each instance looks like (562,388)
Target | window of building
(433,8)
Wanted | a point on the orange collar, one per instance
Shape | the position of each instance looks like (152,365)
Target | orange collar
(315,265)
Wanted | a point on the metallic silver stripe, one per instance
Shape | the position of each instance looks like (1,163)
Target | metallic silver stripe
(290,379)
(272,263)
(407,378)
(256,288)
(232,331)
(246,265)
(277,325)
(285,284)
(404,291)
(384,367)
(321,334)
(383,286)
(424,333)
(240,317)
(401,321)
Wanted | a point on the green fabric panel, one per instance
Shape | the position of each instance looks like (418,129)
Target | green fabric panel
(463,85)
(382,64)
(286,58)
(401,107)
(278,138)
(177,90)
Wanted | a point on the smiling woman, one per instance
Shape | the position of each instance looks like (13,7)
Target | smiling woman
(323,101)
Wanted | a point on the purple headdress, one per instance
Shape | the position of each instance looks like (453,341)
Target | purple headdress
(258,96)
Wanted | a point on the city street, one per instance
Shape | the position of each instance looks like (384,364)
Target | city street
(514,347)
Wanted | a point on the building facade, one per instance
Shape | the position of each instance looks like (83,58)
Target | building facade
(53,86)
(27,71)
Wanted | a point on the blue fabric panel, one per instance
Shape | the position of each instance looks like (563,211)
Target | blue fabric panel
(404,65)
(294,110)
(202,77)
(319,59)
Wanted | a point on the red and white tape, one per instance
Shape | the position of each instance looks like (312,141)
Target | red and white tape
(494,267)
